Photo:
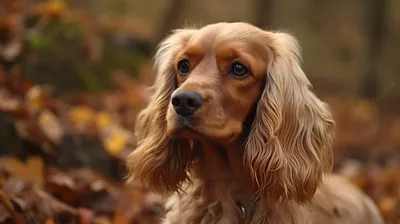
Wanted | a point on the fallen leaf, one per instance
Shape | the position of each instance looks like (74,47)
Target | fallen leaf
(33,99)
(6,202)
(51,9)
(81,117)
(85,216)
(49,221)
(103,120)
(81,114)
(51,126)
(120,218)
(387,205)
(64,187)
(115,141)
(101,220)
(31,171)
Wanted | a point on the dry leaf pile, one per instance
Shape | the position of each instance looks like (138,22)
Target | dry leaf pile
(367,151)
(32,193)
(37,190)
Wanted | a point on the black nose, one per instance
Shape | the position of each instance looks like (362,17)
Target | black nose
(186,102)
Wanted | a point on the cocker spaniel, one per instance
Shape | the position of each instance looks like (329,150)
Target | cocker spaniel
(233,134)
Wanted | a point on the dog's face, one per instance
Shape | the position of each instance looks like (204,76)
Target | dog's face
(220,75)
(214,81)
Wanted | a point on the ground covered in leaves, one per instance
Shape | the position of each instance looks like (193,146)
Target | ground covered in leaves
(69,165)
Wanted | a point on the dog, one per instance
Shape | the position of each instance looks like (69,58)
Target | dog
(233,133)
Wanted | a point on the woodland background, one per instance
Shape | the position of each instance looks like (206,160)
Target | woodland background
(74,73)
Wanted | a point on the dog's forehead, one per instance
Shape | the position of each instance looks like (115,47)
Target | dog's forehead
(215,35)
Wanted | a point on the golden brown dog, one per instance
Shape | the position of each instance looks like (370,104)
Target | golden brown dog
(233,133)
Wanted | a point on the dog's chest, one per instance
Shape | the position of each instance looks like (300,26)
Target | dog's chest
(210,203)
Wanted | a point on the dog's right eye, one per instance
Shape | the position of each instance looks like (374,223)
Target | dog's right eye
(238,70)
(184,66)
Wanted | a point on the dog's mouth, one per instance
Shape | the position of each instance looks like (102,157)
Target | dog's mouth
(184,127)
(183,123)
(187,128)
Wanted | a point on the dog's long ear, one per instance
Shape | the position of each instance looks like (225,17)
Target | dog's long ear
(159,162)
(289,146)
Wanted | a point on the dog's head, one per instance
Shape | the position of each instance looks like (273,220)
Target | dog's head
(214,81)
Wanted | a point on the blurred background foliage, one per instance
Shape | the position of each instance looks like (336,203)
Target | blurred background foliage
(335,36)
(74,76)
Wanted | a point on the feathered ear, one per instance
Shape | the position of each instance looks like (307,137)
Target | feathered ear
(289,146)
(159,162)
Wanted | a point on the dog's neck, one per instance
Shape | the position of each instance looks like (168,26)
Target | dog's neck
(219,160)
(219,170)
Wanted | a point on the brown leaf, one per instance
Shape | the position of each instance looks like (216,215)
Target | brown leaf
(51,126)
(120,218)
(33,99)
(49,221)
(64,187)
(51,9)
(8,205)
(50,207)
(101,220)
(82,187)
(9,103)
(31,171)
(387,205)
(86,216)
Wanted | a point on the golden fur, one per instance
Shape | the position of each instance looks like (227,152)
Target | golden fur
(259,148)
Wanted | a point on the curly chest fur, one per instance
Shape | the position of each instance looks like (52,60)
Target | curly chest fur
(217,203)
(215,194)
(224,204)
(208,203)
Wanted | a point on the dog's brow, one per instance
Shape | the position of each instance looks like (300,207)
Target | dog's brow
(194,51)
(227,53)
(230,53)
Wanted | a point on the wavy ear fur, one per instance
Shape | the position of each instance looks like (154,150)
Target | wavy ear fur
(289,146)
(159,162)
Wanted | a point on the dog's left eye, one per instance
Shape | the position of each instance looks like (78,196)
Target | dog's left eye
(238,70)
(184,66)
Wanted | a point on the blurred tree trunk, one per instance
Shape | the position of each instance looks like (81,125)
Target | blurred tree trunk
(171,17)
(263,12)
(375,28)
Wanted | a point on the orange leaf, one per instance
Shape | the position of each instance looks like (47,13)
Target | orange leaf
(120,218)
(387,205)
(49,221)
(32,171)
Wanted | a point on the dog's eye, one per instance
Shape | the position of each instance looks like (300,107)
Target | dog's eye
(183,66)
(238,70)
